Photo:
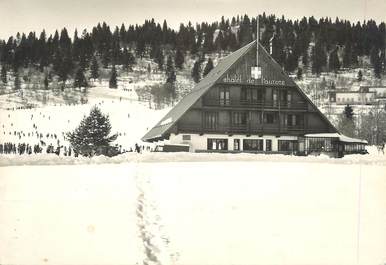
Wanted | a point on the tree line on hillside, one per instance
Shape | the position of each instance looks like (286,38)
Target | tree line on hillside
(321,45)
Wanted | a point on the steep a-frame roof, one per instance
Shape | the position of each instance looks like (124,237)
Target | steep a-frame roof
(186,102)
(227,64)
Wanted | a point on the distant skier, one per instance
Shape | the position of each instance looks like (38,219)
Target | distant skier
(137,148)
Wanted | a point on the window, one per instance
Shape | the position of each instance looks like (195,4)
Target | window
(269,118)
(251,94)
(224,96)
(268,145)
(259,117)
(283,145)
(210,120)
(236,144)
(186,137)
(287,145)
(239,118)
(274,97)
(253,145)
(217,144)
(320,144)
(292,120)
(289,97)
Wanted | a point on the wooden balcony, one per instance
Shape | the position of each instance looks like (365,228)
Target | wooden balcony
(245,129)
(247,104)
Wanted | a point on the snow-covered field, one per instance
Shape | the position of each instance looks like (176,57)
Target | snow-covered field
(217,212)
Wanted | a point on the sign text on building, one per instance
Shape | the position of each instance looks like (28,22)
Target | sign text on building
(238,78)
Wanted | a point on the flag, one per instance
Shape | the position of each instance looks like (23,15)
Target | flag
(256,72)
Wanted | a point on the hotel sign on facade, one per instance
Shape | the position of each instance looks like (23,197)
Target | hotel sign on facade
(244,79)
(245,72)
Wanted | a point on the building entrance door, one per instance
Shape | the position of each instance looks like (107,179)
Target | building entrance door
(268,145)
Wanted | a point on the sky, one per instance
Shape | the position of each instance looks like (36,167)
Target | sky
(34,15)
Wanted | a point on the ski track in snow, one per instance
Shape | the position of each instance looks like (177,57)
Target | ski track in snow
(155,241)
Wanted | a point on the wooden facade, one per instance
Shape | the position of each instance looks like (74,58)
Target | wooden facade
(252,109)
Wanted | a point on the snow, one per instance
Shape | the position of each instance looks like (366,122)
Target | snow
(167,121)
(373,158)
(129,118)
(272,211)
(65,215)
(341,137)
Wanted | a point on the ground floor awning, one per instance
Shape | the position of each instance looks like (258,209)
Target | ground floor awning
(340,137)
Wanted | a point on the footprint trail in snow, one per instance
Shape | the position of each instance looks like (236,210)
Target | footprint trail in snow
(156,244)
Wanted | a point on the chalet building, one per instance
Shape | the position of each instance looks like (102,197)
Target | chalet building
(361,97)
(366,95)
(379,91)
(245,106)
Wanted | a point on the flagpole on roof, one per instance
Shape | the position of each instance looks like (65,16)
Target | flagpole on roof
(257,40)
(256,70)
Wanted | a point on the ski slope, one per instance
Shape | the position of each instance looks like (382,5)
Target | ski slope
(129,118)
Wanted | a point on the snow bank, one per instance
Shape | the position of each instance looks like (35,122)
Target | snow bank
(131,157)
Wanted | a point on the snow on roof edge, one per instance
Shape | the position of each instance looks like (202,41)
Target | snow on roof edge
(341,137)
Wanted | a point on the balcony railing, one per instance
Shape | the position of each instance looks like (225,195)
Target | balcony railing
(243,129)
(255,104)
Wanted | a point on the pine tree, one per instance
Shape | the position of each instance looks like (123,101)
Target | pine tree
(4,74)
(208,67)
(233,44)
(160,59)
(46,83)
(92,136)
(125,59)
(332,86)
(130,60)
(17,83)
(140,48)
(374,55)
(94,68)
(65,68)
(170,72)
(348,112)
(376,62)
(105,59)
(149,69)
(360,76)
(347,57)
(113,78)
(299,74)
(291,62)
(346,124)
(319,58)
(196,71)
(169,66)
(179,59)
(334,63)
(378,68)
(170,85)
(80,79)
